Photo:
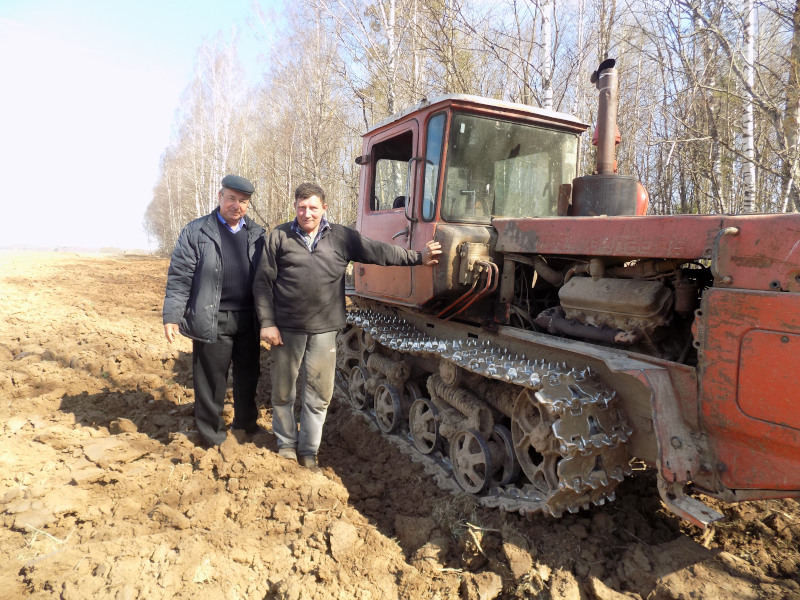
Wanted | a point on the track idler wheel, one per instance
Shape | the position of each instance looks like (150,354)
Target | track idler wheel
(472,461)
(360,398)
(504,459)
(388,408)
(423,424)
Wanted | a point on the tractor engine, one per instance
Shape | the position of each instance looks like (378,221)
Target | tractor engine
(647,306)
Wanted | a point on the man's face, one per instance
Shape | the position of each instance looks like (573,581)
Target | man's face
(309,213)
(233,205)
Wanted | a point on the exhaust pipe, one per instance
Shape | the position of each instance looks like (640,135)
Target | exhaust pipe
(605,193)
(607,81)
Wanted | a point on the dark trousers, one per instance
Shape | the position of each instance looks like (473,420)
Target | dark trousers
(238,343)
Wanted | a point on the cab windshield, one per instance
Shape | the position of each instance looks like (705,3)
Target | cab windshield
(503,169)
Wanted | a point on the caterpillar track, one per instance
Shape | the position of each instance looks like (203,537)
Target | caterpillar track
(521,434)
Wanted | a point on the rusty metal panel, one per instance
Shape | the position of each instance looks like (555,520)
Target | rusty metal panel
(385,282)
(392,282)
(769,367)
(741,401)
(684,236)
(758,252)
(764,254)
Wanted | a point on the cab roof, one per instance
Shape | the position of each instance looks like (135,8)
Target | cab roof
(501,108)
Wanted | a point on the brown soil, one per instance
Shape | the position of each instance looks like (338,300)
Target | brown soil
(105,494)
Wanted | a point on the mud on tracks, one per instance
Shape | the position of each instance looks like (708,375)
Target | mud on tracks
(105,493)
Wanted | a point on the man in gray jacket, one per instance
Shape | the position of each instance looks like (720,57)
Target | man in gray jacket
(209,299)
(300,300)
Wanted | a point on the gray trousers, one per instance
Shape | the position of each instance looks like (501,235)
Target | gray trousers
(312,357)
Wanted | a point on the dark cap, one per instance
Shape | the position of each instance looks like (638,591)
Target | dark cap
(240,184)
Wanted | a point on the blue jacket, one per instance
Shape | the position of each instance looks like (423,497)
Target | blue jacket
(194,279)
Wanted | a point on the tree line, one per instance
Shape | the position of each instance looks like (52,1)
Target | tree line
(709,95)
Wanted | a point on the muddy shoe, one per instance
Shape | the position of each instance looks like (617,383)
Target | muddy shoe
(257,432)
(287,453)
(252,429)
(310,463)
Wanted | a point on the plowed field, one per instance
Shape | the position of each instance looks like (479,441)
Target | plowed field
(105,494)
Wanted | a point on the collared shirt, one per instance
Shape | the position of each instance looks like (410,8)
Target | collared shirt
(239,226)
(310,243)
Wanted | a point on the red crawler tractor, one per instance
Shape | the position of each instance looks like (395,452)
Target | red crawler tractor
(564,332)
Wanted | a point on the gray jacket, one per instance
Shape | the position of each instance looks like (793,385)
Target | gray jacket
(194,279)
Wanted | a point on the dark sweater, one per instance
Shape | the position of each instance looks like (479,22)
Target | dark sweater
(303,291)
(237,290)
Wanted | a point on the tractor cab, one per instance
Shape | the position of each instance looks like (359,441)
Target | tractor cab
(447,168)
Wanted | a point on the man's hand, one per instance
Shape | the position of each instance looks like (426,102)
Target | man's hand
(171,331)
(429,253)
(272,336)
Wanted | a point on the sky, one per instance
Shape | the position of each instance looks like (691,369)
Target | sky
(88,93)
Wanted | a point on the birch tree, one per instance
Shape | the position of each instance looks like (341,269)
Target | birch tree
(371,37)
(791,118)
(547,54)
(749,203)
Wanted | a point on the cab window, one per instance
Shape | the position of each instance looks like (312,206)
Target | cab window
(391,172)
(503,169)
(433,159)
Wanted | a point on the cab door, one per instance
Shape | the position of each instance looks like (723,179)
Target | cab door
(386,194)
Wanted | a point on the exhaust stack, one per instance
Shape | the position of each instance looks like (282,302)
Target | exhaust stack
(606,80)
(605,193)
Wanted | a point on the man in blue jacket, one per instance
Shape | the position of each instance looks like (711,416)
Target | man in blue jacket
(209,299)
(300,300)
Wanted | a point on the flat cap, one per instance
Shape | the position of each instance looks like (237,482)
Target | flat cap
(240,184)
